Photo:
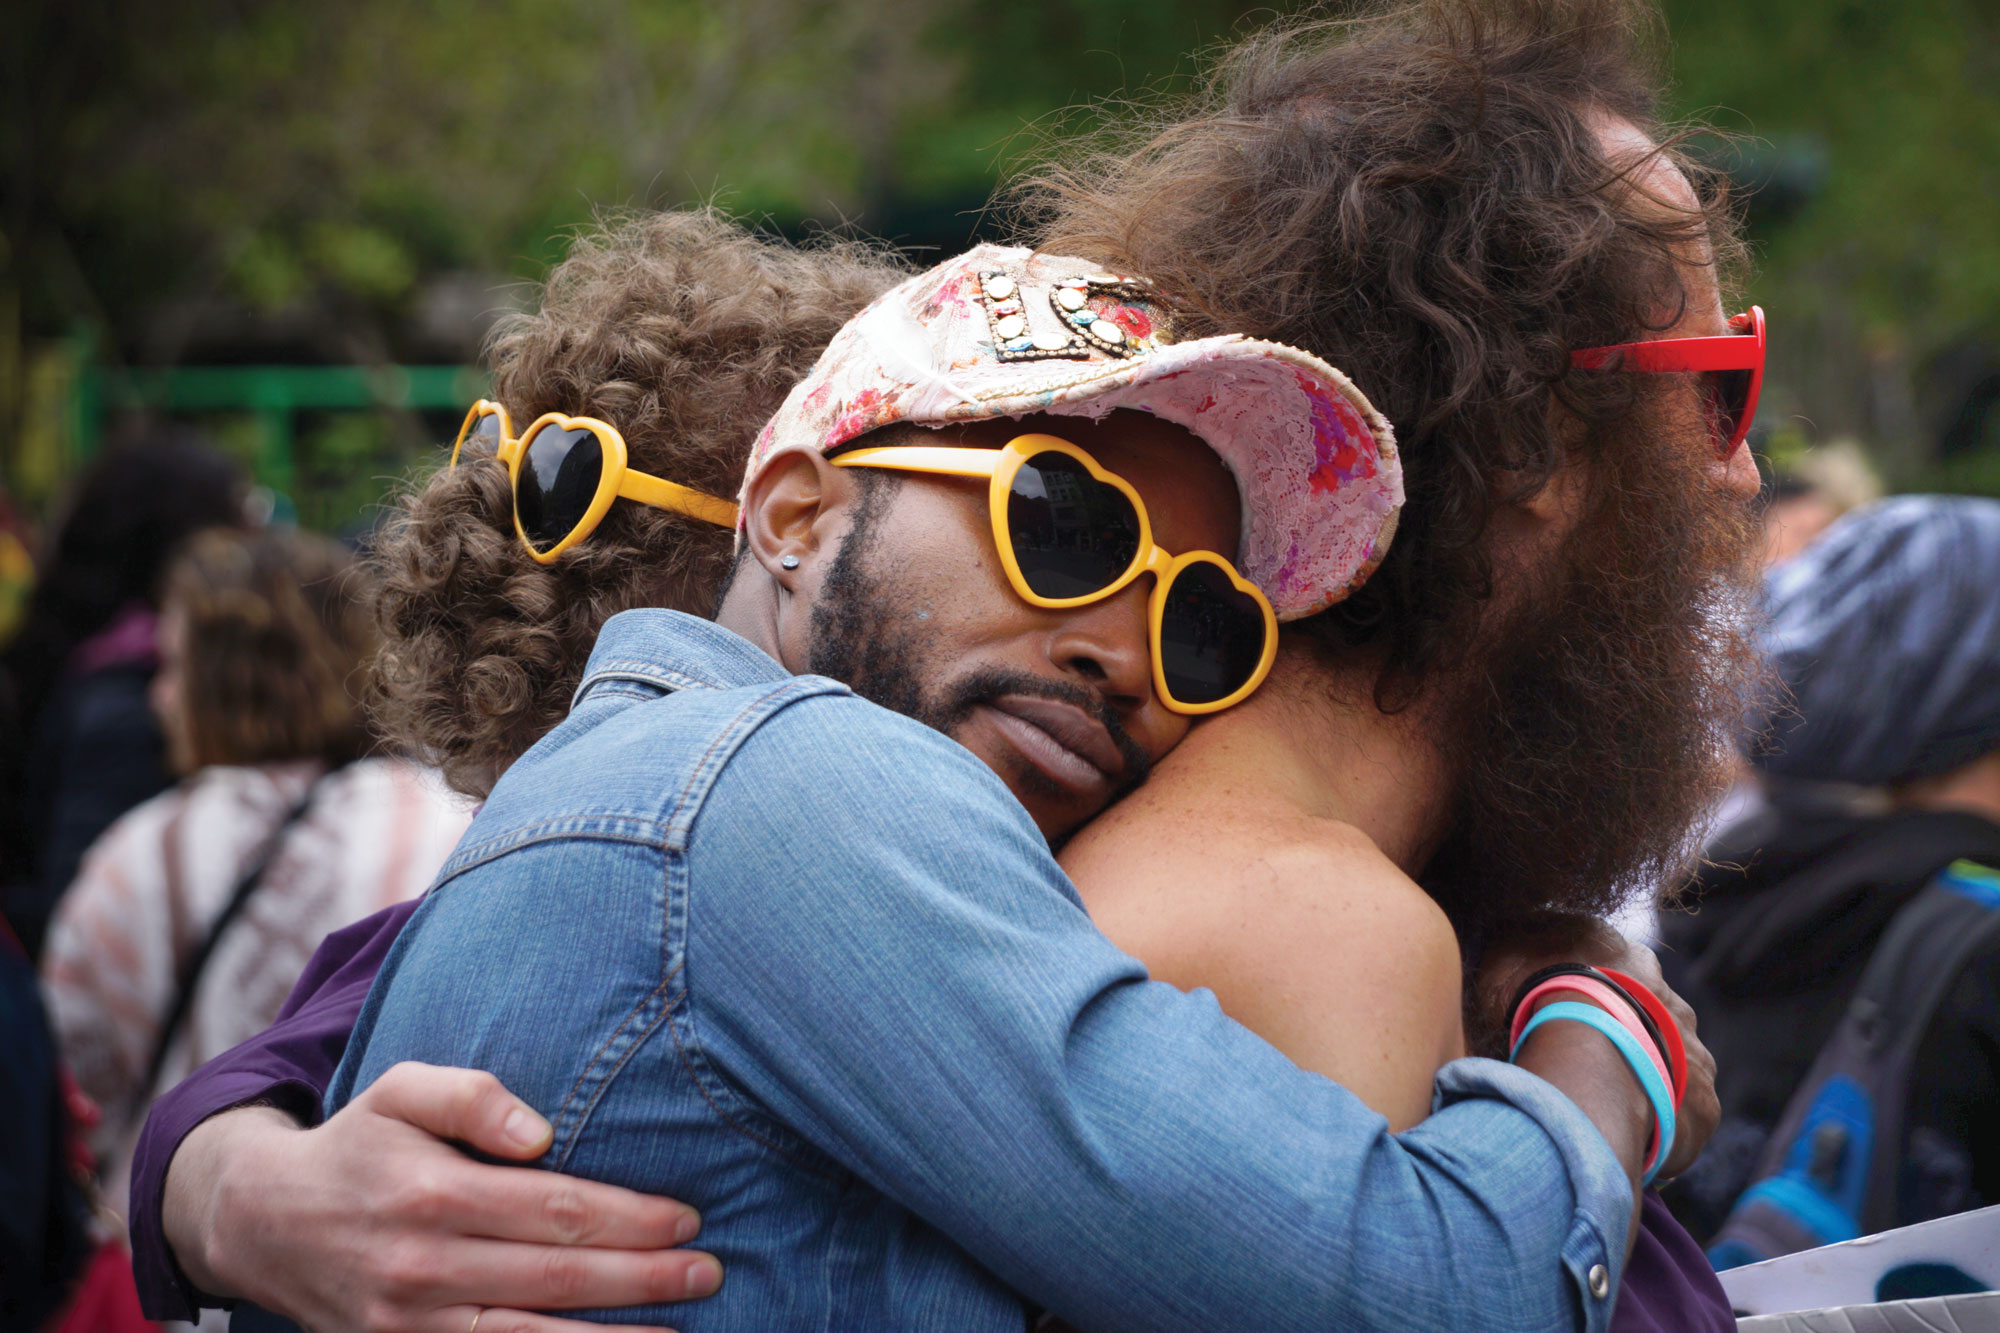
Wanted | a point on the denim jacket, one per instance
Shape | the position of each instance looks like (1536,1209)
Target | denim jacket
(753,942)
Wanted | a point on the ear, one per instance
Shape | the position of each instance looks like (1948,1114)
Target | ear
(1559,503)
(1548,513)
(1526,530)
(795,507)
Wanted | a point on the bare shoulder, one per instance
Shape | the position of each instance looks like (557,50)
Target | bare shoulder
(1252,857)
(1304,930)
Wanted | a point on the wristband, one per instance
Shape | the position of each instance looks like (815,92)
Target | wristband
(1543,974)
(1669,1031)
(1633,992)
(1642,1069)
(1607,997)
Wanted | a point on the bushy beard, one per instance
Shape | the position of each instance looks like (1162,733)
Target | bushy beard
(1593,725)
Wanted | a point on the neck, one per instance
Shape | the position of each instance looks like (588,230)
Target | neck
(751,610)
(1313,739)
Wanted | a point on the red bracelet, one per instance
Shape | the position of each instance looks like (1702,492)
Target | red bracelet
(1670,1031)
(1606,997)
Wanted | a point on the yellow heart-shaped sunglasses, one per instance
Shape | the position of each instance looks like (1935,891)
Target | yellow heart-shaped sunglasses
(565,472)
(1070,533)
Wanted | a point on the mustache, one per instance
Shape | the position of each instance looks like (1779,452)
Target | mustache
(983,687)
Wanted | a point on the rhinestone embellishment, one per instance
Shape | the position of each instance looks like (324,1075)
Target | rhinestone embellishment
(1118,326)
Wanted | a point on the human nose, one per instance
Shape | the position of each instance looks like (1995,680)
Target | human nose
(1107,645)
(1737,474)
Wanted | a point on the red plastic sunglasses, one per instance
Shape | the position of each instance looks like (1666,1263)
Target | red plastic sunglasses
(1731,368)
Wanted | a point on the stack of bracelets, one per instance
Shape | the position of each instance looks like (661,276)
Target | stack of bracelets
(1634,1021)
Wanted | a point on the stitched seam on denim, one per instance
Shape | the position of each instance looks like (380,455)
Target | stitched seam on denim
(643,830)
(644,692)
(715,1090)
(569,1134)
(700,766)
(605,1045)
(704,771)
(644,673)
(638,1044)
(701,1082)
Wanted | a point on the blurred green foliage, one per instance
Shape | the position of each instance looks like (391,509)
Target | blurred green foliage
(281,180)
(1897,110)
(1877,223)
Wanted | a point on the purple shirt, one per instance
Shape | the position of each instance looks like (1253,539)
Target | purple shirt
(1668,1284)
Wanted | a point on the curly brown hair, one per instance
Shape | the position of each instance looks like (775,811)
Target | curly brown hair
(275,642)
(683,329)
(1418,195)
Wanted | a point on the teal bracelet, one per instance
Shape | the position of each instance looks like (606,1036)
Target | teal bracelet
(1628,1046)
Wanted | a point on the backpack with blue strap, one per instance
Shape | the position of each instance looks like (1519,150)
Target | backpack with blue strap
(1830,1170)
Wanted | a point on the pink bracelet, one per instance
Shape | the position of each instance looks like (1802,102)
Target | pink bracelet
(1605,998)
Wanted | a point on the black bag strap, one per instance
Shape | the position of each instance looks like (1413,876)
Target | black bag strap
(197,963)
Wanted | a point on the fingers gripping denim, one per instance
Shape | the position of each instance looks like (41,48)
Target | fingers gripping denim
(752,942)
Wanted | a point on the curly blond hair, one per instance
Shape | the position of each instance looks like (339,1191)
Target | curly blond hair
(683,329)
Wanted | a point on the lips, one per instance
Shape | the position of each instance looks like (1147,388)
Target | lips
(1061,739)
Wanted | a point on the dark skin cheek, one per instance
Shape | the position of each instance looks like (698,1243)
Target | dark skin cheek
(967,617)
(933,549)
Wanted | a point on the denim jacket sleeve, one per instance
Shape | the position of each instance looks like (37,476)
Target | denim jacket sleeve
(925,999)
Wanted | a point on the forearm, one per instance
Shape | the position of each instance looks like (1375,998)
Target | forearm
(1198,1192)
(203,1197)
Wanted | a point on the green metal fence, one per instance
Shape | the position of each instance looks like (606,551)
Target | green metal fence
(274,395)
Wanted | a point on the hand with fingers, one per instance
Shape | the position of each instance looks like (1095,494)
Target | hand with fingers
(374,1222)
(1555,939)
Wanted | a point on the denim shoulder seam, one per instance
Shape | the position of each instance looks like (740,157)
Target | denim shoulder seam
(702,774)
(645,830)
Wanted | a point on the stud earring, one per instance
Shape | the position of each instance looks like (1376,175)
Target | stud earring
(789,561)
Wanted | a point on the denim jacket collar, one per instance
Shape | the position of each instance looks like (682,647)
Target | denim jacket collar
(674,651)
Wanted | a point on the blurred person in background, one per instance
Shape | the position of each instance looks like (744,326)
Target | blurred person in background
(195,912)
(1809,491)
(79,744)
(1881,772)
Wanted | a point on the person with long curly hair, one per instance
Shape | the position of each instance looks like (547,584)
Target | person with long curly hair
(688,331)
(685,330)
